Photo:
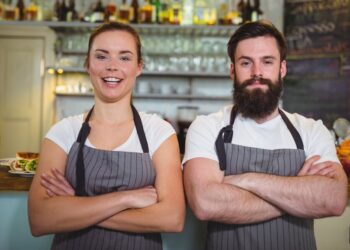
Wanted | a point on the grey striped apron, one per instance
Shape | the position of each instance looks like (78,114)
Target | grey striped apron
(286,232)
(93,172)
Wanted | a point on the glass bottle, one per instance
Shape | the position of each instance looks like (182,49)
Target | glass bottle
(175,15)
(146,12)
(20,6)
(124,13)
(111,11)
(247,12)
(164,12)
(256,12)
(156,11)
(187,12)
(134,11)
(98,13)
(31,12)
(72,14)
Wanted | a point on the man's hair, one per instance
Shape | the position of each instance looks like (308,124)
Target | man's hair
(253,30)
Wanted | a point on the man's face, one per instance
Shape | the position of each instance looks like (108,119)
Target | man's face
(257,72)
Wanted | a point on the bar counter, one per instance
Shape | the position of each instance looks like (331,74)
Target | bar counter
(10,182)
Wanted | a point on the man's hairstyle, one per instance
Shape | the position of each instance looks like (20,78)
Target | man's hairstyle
(253,30)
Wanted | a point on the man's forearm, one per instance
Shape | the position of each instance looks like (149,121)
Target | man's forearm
(303,196)
(229,204)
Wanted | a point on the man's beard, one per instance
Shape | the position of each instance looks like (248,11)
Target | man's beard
(257,103)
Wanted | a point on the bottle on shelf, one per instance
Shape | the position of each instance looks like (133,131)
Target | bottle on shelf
(164,12)
(125,12)
(187,12)
(204,12)
(241,9)
(175,15)
(20,7)
(156,18)
(256,11)
(98,14)
(111,11)
(146,12)
(31,12)
(62,15)
(134,11)
(247,12)
(72,14)
(223,12)
(56,10)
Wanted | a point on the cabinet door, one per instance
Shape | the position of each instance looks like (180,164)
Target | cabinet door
(21,60)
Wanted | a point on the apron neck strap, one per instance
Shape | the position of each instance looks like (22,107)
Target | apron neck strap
(296,136)
(83,135)
(225,136)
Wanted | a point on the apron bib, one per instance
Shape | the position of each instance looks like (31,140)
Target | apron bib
(286,232)
(94,172)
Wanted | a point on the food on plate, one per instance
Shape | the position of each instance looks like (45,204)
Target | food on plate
(343,151)
(26,161)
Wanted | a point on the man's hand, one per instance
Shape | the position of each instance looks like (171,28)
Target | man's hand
(323,168)
(56,184)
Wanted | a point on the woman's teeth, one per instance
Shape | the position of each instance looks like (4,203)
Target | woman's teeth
(111,80)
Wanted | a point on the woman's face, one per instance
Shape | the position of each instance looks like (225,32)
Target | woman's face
(113,65)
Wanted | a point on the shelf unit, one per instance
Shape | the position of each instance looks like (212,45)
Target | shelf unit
(155,96)
(149,73)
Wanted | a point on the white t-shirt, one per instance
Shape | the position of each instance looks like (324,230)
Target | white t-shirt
(65,133)
(273,134)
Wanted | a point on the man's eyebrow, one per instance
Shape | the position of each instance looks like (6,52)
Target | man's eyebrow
(249,58)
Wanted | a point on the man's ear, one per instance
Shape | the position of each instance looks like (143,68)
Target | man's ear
(283,69)
(232,71)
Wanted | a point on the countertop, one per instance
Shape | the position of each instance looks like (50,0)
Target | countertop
(10,182)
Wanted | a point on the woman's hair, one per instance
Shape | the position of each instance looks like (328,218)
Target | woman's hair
(114,26)
(253,30)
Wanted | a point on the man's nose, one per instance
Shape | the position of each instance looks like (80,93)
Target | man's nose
(256,71)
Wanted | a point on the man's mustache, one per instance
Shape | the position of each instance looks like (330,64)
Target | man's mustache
(262,81)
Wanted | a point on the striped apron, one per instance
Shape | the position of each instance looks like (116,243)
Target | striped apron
(94,172)
(286,232)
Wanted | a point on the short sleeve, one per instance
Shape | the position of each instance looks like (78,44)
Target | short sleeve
(157,131)
(64,133)
(200,139)
(321,143)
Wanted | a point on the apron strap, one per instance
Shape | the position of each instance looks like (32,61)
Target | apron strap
(140,130)
(296,136)
(80,166)
(225,136)
(83,135)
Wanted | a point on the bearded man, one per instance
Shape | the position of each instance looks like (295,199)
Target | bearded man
(258,174)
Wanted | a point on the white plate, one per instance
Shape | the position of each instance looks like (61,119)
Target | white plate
(6,161)
(22,173)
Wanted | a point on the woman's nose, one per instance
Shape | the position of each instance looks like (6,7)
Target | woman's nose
(112,66)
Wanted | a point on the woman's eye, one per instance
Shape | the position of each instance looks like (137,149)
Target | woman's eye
(125,58)
(100,57)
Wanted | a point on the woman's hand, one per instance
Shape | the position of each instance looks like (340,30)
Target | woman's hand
(56,185)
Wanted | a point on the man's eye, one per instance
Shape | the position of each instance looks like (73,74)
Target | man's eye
(268,62)
(245,63)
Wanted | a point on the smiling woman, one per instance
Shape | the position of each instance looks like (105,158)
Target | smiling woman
(112,171)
